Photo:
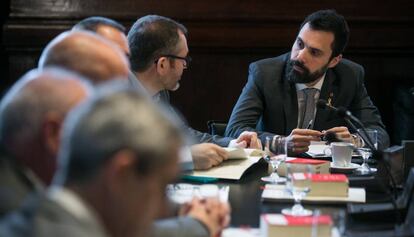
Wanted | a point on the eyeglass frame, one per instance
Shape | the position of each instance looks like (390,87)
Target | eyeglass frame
(187,59)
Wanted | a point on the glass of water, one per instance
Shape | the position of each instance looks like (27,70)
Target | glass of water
(365,151)
(298,184)
(275,154)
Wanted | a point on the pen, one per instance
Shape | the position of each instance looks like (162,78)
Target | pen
(310,124)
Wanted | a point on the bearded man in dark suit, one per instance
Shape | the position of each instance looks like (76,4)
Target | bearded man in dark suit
(281,93)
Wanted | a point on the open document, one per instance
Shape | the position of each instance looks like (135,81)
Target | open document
(239,161)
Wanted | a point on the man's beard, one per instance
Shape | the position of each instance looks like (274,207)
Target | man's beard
(305,76)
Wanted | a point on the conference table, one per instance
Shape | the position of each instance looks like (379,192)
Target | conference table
(247,204)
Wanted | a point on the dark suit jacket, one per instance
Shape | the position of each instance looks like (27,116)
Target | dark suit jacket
(197,136)
(268,103)
(179,227)
(16,184)
(42,217)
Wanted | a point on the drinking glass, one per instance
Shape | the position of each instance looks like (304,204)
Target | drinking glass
(373,136)
(316,214)
(275,154)
(366,152)
(298,184)
(339,222)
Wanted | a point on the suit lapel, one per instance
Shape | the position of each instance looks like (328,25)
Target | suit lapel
(328,92)
(290,105)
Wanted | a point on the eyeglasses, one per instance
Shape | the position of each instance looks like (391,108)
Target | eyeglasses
(187,59)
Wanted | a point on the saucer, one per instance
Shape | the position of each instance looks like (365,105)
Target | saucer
(352,166)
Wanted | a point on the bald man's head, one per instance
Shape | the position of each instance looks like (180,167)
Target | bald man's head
(107,28)
(87,54)
(32,112)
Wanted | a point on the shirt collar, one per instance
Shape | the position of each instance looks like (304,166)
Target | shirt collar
(301,86)
(157,97)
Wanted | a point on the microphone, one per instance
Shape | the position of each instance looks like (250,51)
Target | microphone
(376,154)
(349,118)
(341,111)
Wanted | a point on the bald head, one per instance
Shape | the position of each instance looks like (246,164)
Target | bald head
(32,112)
(107,28)
(87,54)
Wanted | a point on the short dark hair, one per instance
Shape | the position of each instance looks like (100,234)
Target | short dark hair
(330,21)
(150,37)
(92,23)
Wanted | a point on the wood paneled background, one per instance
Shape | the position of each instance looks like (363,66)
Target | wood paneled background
(224,37)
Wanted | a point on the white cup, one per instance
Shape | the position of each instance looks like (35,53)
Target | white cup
(341,153)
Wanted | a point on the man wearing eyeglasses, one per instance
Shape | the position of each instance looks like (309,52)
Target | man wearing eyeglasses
(158,57)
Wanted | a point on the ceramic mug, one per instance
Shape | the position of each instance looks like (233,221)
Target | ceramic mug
(341,153)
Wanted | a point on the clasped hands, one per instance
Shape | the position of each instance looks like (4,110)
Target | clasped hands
(213,213)
(300,139)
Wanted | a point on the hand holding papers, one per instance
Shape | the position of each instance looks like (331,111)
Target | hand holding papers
(246,139)
(239,160)
(207,155)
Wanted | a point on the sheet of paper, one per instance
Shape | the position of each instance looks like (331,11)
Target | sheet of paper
(229,169)
(317,149)
(279,193)
(184,192)
(241,232)
(255,232)
(241,153)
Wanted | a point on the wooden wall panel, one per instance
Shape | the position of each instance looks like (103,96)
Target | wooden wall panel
(225,36)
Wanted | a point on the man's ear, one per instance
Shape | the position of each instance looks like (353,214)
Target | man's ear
(162,65)
(52,125)
(118,168)
(334,61)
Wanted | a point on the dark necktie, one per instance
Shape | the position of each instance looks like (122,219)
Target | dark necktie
(309,106)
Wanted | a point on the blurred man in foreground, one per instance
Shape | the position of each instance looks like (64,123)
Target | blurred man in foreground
(31,115)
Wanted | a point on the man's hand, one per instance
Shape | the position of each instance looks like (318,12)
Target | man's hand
(246,140)
(215,215)
(300,139)
(207,155)
(342,133)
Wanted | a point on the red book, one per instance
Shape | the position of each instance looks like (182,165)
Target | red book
(306,161)
(323,185)
(299,165)
(281,226)
(329,178)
